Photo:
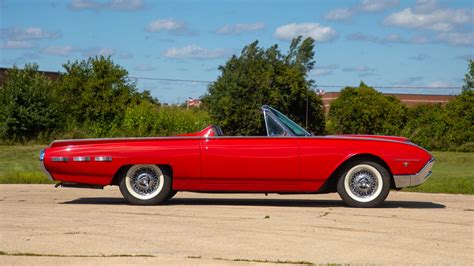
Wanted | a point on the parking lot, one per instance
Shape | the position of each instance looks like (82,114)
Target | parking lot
(42,224)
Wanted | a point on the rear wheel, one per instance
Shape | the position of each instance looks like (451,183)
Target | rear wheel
(145,184)
(171,194)
(364,184)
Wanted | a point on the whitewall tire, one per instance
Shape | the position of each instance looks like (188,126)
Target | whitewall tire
(145,184)
(364,184)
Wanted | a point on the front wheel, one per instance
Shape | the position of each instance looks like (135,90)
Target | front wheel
(145,184)
(364,184)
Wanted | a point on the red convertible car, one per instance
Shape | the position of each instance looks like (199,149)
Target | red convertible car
(289,160)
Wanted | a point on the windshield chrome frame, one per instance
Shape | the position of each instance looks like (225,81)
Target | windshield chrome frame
(268,114)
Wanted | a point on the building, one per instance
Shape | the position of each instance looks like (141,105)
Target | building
(407,99)
(191,102)
(49,74)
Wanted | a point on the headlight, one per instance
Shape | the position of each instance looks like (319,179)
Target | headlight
(41,157)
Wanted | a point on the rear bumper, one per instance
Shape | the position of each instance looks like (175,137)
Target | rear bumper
(416,179)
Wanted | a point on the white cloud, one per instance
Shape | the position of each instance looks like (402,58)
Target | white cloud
(9,44)
(425,5)
(194,52)
(393,38)
(28,33)
(419,39)
(452,26)
(169,25)
(420,57)
(359,36)
(324,70)
(439,84)
(339,14)
(410,81)
(58,50)
(97,51)
(240,28)
(377,5)
(437,19)
(145,67)
(126,4)
(24,58)
(342,14)
(84,4)
(361,70)
(119,5)
(314,30)
(125,55)
(465,57)
(456,38)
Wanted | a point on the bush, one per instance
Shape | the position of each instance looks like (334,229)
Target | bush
(460,122)
(426,126)
(363,110)
(28,105)
(449,127)
(149,120)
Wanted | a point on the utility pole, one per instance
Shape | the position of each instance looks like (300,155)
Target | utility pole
(307,108)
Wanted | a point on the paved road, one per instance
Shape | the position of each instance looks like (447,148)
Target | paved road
(77,226)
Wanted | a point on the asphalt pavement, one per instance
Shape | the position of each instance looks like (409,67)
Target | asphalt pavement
(41,224)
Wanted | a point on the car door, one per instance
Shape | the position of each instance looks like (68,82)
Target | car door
(267,164)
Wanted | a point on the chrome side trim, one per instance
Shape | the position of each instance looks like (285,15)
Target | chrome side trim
(416,179)
(82,159)
(103,159)
(60,159)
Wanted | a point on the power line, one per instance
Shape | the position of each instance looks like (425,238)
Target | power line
(318,85)
(174,80)
(395,87)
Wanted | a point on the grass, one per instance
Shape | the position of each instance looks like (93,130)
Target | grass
(267,261)
(19,164)
(453,172)
(29,254)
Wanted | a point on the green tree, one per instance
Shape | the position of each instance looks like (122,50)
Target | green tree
(460,122)
(426,126)
(27,104)
(97,91)
(265,76)
(469,77)
(363,110)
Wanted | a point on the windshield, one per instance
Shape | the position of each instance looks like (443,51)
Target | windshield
(295,129)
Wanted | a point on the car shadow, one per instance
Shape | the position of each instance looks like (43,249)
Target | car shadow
(302,203)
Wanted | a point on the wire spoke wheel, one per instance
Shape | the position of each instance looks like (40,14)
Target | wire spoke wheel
(144,181)
(364,184)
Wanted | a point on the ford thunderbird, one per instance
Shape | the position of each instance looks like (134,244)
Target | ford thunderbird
(288,160)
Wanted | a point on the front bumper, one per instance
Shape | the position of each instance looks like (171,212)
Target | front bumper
(41,159)
(416,179)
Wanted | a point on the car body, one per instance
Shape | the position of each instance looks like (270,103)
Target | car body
(289,160)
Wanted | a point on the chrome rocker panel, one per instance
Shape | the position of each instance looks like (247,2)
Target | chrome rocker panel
(416,179)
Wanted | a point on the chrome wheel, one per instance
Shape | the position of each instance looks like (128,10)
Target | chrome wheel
(363,183)
(144,181)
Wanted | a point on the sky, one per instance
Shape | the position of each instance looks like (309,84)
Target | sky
(384,43)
